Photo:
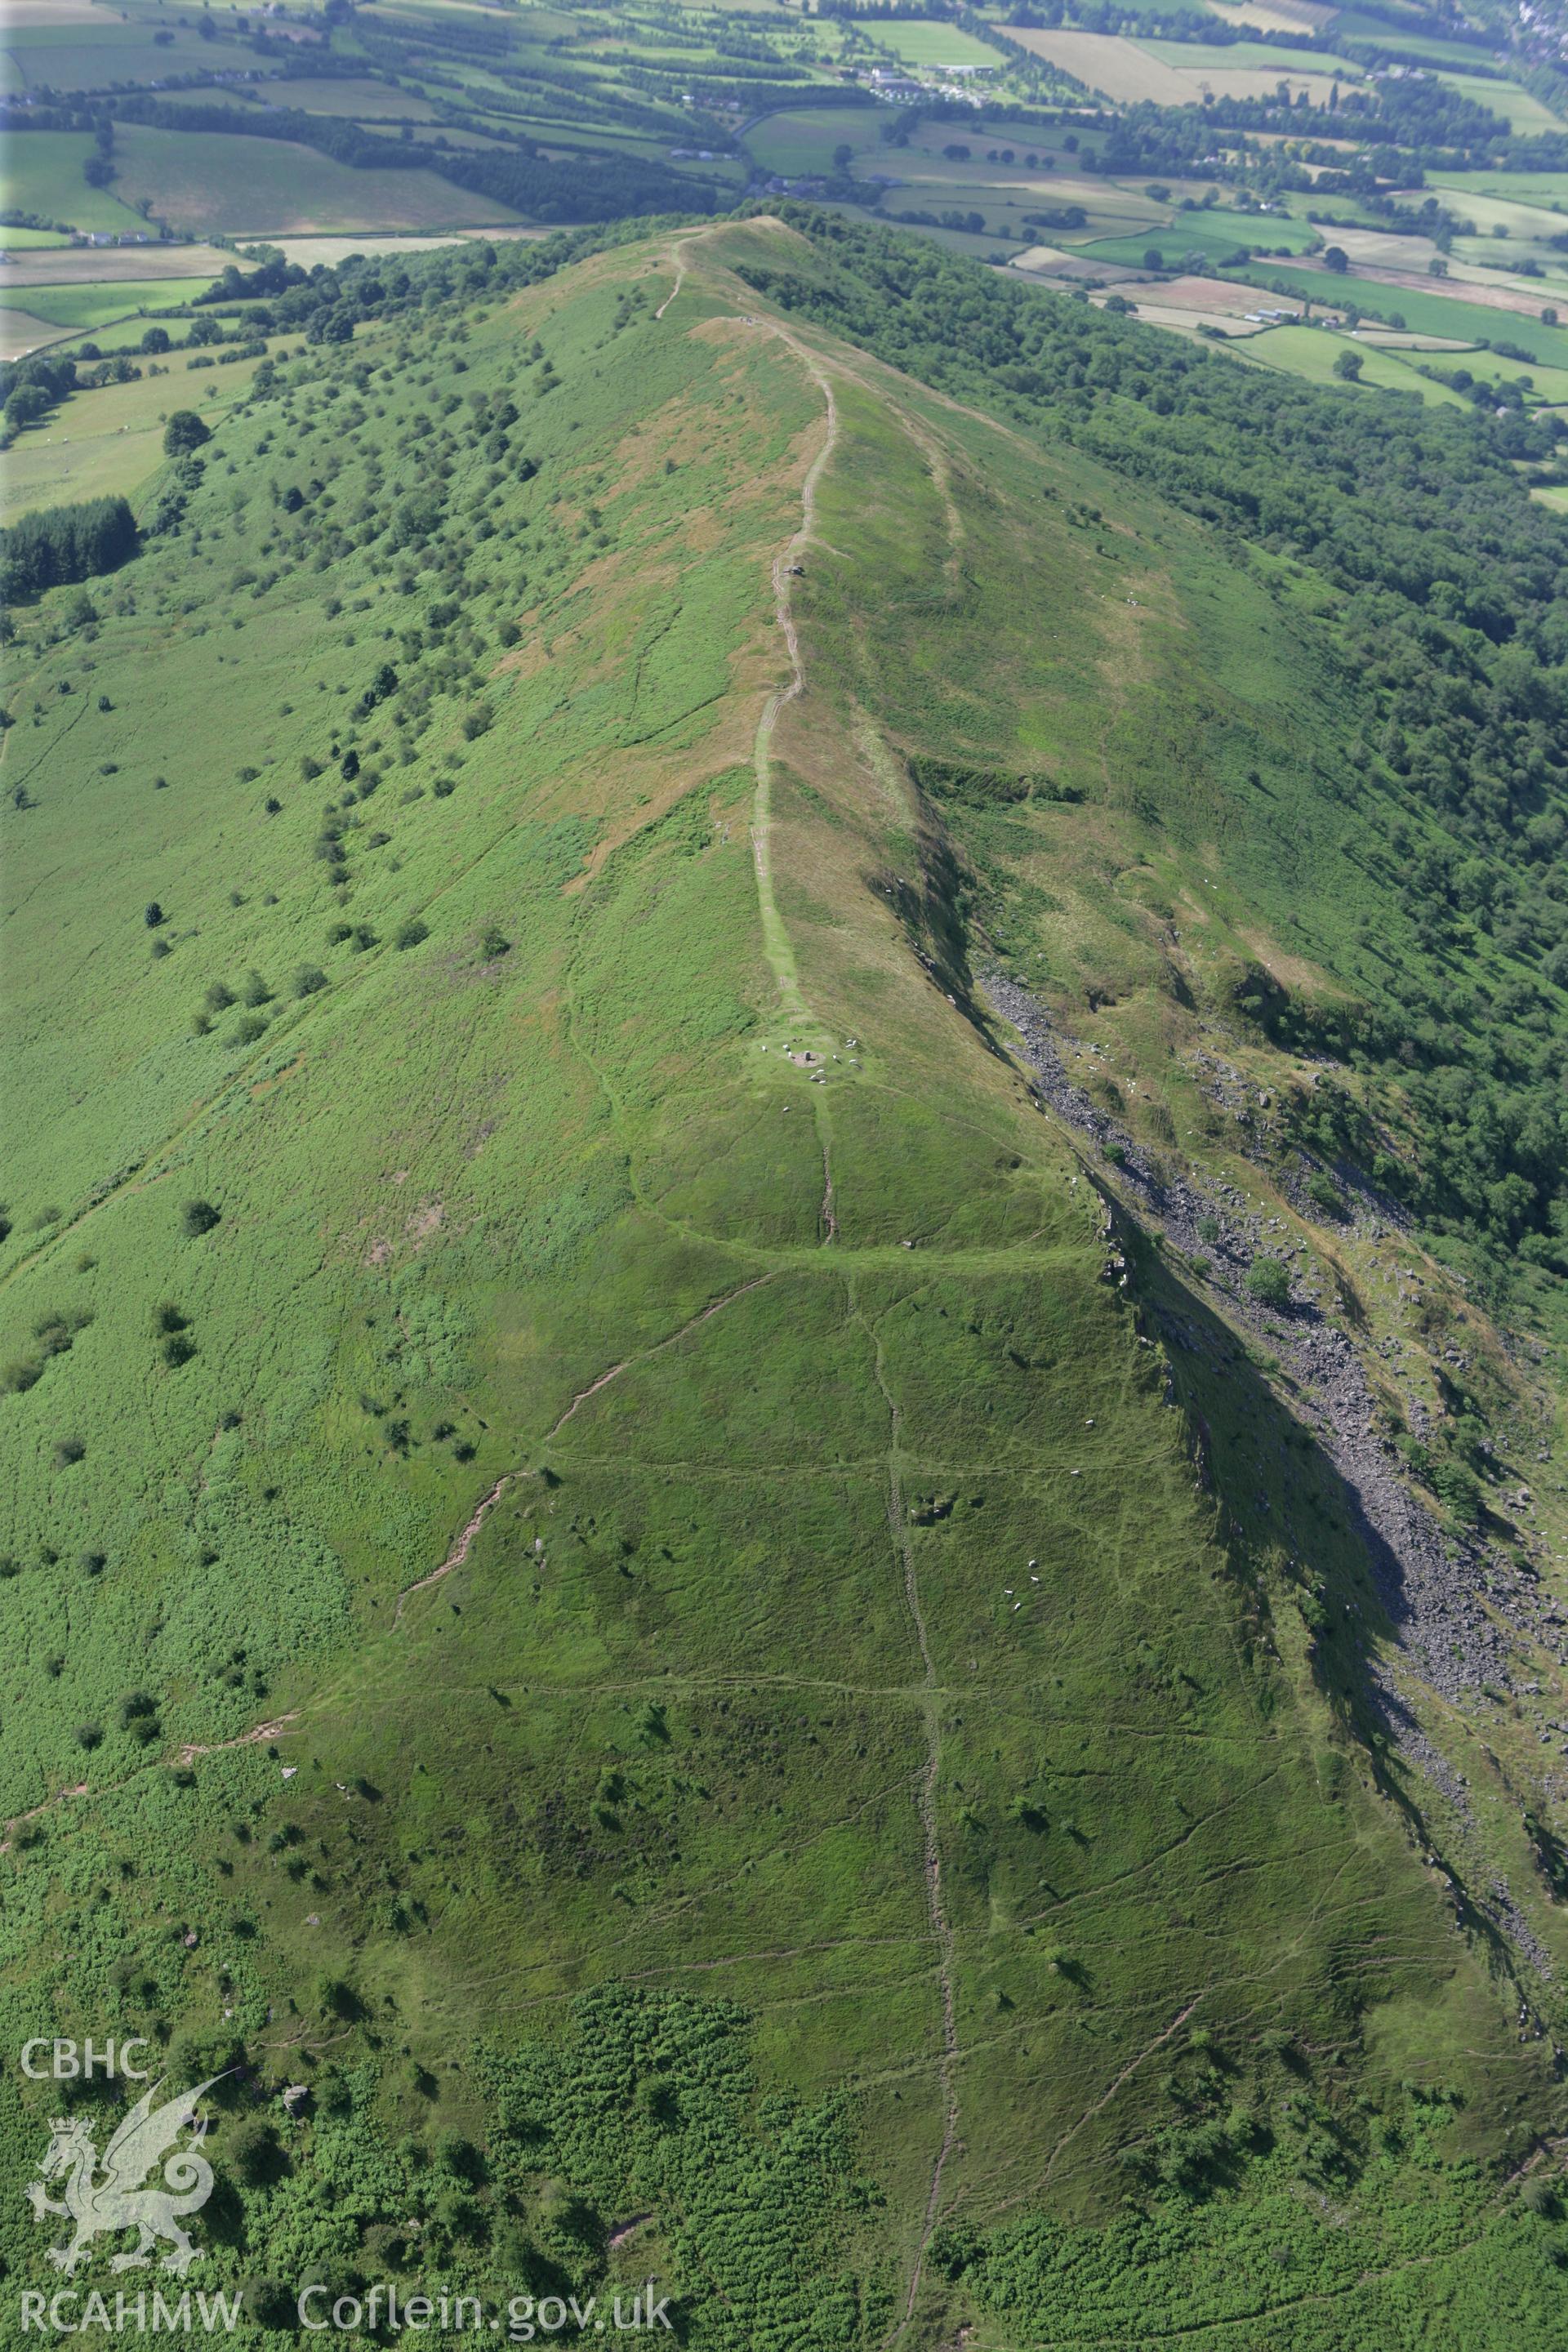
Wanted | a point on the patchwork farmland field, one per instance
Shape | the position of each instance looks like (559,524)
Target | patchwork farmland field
(1132,72)
(1307,352)
(1517,106)
(44,175)
(202,182)
(941,45)
(1430,313)
(1120,68)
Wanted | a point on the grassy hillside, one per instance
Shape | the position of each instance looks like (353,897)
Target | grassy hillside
(624,1555)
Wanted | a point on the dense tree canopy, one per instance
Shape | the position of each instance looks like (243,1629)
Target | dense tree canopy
(64,543)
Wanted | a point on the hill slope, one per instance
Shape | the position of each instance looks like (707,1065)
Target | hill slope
(623,1545)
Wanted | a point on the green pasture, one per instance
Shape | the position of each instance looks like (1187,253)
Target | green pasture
(1525,222)
(84,56)
(43,174)
(100,444)
(1520,110)
(1425,313)
(922,46)
(1214,235)
(1548,384)
(95,303)
(1384,33)
(361,101)
(206,182)
(800,140)
(1548,189)
(1228,57)
(1309,352)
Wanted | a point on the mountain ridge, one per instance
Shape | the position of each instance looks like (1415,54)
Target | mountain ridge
(711,1441)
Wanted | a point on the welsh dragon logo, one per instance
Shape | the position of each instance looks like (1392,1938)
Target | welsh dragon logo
(114,2199)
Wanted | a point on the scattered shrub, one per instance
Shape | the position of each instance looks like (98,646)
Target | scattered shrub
(1457,1484)
(183,432)
(253,2154)
(1268,1281)
(460,2158)
(268,2302)
(1326,1193)
(335,1997)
